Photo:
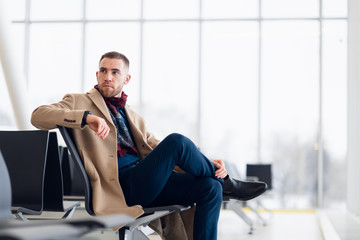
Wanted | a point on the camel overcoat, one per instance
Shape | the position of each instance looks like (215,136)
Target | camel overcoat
(100,156)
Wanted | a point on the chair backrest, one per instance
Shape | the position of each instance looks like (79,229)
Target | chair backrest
(232,170)
(73,186)
(5,189)
(53,185)
(261,171)
(25,155)
(70,143)
(66,170)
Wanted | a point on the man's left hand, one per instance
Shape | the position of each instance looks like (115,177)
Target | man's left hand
(221,171)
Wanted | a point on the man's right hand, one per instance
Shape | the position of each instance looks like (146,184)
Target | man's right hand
(98,125)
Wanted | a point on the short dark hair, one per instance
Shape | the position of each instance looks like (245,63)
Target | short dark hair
(116,55)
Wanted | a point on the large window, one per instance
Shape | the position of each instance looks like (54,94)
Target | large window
(250,81)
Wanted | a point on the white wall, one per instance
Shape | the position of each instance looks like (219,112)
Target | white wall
(353,157)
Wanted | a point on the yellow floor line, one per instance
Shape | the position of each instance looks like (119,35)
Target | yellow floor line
(302,211)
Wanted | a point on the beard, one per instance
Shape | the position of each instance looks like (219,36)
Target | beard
(110,92)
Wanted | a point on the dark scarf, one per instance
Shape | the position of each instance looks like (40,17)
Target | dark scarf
(124,139)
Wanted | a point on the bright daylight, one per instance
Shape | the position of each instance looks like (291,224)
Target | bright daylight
(180,119)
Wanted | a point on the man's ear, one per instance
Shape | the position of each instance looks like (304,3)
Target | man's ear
(127,80)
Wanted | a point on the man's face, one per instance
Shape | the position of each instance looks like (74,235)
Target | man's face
(112,76)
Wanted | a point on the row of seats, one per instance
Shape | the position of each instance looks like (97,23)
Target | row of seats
(66,229)
(32,158)
(41,174)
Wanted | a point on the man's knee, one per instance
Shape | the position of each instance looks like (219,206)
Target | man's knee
(176,139)
(216,189)
(211,190)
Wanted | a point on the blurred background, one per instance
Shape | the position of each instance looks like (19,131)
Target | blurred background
(249,81)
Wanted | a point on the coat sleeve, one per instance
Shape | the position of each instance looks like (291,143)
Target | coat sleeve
(63,113)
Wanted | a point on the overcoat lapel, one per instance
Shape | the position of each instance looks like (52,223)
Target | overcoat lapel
(99,102)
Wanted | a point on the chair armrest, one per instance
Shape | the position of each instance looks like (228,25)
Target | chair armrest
(90,222)
(170,208)
(107,221)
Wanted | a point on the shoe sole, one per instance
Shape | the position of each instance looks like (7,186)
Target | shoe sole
(226,198)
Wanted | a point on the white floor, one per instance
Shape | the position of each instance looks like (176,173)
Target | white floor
(280,225)
(339,225)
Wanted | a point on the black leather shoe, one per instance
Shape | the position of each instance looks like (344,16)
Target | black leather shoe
(242,190)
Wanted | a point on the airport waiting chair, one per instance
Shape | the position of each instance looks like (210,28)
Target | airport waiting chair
(54,184)
(34,165)
(25,153)
(236,205)
(260,172)
(66,170)
(14,229)
(129,231)
(250,204)
(73,187)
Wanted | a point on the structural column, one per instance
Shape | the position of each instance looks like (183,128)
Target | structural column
(13,73)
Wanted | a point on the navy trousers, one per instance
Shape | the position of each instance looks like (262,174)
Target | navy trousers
(152,183)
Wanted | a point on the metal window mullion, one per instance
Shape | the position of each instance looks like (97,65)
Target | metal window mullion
(83,48)
(141,62)
(180,20)
(259,159)
(27,42)
(199,103)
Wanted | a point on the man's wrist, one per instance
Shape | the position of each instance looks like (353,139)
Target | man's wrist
(83,122)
